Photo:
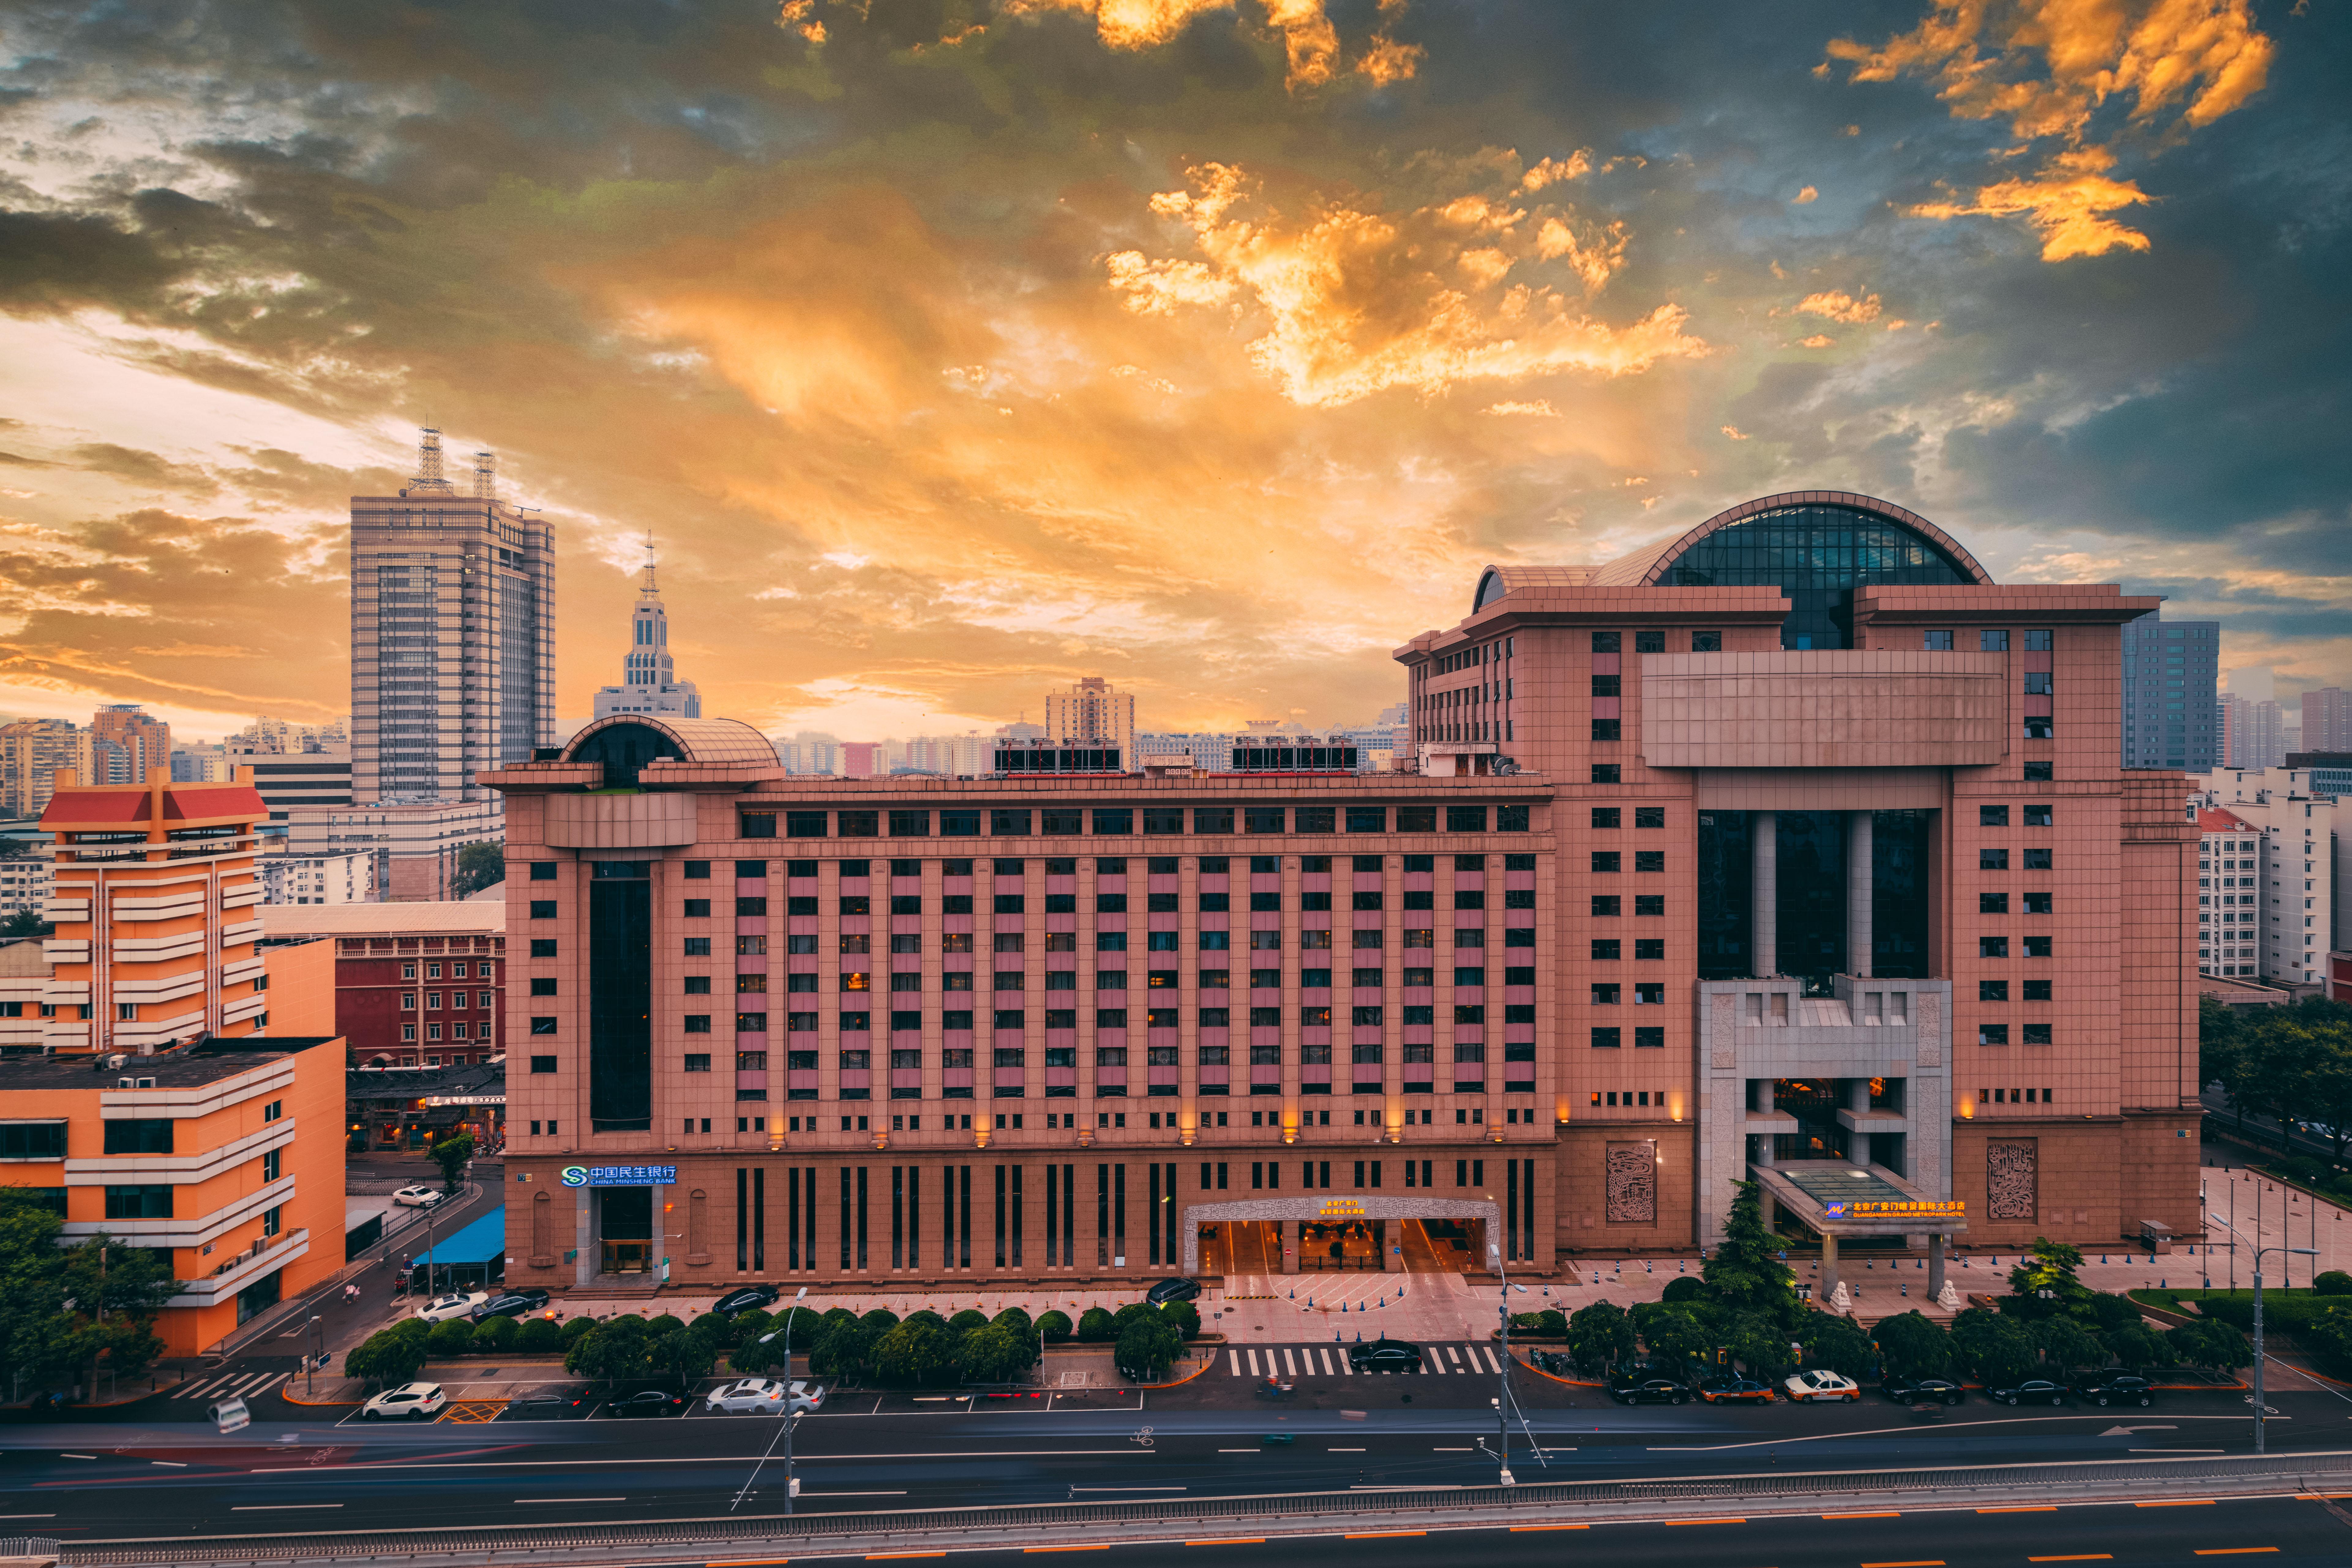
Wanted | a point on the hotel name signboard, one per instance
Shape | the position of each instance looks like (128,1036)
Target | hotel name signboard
(1930,1208)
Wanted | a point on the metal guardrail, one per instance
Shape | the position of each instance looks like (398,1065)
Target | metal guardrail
(480,1544)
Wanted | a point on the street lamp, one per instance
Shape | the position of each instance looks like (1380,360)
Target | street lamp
(786,1434)
(2259,1408)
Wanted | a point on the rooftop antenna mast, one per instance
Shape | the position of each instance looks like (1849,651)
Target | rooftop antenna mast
(649,590)
(429,478)
(486,476)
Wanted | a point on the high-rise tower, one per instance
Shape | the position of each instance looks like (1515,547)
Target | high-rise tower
(453,634)
(649,682)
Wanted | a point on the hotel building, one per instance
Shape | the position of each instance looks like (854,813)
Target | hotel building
(1794,849)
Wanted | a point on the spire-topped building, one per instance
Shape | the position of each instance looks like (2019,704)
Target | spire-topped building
(649,682)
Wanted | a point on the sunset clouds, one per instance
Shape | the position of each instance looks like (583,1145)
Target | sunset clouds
(953,351)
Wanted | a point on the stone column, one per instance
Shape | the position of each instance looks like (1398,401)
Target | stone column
(1764,1144)
(1935,1264)
(1828,1287)
(1764,893)
(1290,1244)
(1384,1239)
(1857,893)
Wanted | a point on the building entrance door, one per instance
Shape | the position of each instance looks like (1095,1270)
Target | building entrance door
(626,1256)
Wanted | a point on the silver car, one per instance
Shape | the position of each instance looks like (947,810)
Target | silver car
(763,1396)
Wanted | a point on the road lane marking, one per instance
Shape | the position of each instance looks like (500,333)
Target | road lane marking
(2232,1551)
(2174,1450)
(2077,1557)
(751,1562)
(2178,1502)
(1289,1367)
(684,1459)
(77,1456)
(280,1506)
(1237,1450)
(1113,1490)
(1453,1450)
(1343,1450)
(27,1516)
(571,1500)
(1102,1546)
(170,1464)
(1231,1541)
(1717,1522)
(1889,1515)
(1516,1528)
(1382,1534)
(889,1556)
(1916,1562)
(1235,1357)
(2024,1508)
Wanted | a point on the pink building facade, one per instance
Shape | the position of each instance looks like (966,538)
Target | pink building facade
(1794,850)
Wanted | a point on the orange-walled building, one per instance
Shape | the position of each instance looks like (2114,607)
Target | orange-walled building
(228,1155)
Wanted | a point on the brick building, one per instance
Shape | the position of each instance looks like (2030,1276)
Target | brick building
(415,985)
(1794,849)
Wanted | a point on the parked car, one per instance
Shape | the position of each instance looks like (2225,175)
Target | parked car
(1923,1390)
(744,1299)
(2115,1386)
(649,1402)
(546,1404)
(1820,1383)
(764,1396)
(2033,1390)
(1385,1354)
(1638,1389)
(420,1197)
(456,1304)
(1736,1390)
(1177,1289)
(409,1402)
(511,1304)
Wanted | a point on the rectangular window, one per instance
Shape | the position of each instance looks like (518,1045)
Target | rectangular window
(2037,640)
(542,1063)
(1936,641)
(142,1137)
(1992,859)
(1606,1039)
(910,824)
(1992,642)
(1992,947)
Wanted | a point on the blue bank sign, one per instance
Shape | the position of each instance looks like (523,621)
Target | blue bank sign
(619,1175)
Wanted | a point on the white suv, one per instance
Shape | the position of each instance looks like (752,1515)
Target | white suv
(409,1402)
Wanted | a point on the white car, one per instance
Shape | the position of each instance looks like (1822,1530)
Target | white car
(409,1402)
(420,1197)
(764,1396)
(456,1304)
(1821,1384)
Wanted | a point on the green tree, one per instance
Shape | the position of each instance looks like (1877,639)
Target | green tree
(1600,1336)
(25,923)
(498,1334)
(1146,1348)
(2066,1344)
(917,1354)
(452,1337)
(1185,1316)
(479,865)
(451,1155)
(539,1336)
(1834,1343)
(1914,1346)
(2324,1039)
(843,1350)
(881,1319)
(2134,1344)
(1054,1326)
(1758,1343)
(386,1357)
(2204,1343)
(968,1320)
(2219,1052)
(2333,1282)
(1674,1332)
(37,1332)
(657,1327)
(1016,1319)
(116,1292)
(1687,1288)
(2050,1266)
(687,1355)
(992,1353)
(1994,1345)
(614,1353)
(1744,1272)
(1094,1325)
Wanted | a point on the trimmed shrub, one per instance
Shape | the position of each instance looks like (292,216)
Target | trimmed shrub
(1053,1326)
(657,1327)
(881,1319)
(1094,1326)
(963,1322)
(453,1338)
(1016,1319)
(539,1336)
(1685,1288)
(2335,1282)
(1183,1317)
(577,1328)
(498,1334)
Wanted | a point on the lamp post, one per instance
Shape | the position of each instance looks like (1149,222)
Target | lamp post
(310,1342)
(2259,1410)
(1503,1385)
(786,1434)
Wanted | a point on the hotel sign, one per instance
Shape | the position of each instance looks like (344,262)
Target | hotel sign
(619,1175)
(1931,1208)
(1341,1208)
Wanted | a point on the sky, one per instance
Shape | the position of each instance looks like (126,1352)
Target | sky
(951,350)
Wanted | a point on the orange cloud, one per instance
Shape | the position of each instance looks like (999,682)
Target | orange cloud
(2066,204)
(1388,60)
(1803,196)
(1352,301)
(1550,171)
(1840,307)
(1308,39)
(1818,340)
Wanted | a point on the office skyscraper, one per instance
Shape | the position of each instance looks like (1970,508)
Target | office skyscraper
(2327,720)
(2170,671)
(453,634)
(649,682)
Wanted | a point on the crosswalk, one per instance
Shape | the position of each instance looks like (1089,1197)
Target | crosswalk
(234,1385)
(1331,1360)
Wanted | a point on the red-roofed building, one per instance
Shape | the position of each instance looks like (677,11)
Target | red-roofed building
(153,901)
(2229,897)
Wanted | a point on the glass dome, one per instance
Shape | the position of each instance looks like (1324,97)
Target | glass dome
(1817,555)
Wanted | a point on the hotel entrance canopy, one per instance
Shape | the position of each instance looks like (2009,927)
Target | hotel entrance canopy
(1838,1198)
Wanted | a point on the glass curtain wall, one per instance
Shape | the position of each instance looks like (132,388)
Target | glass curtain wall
(1817,556)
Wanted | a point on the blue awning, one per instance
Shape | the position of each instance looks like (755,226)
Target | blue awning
(478,1243)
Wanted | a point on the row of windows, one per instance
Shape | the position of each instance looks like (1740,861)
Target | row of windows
(1116,865)
(1318,1018)
(1116,941)
(1997,990)
(1116,980)
(1655,642)
(459,1031)
(2030,859)
(456,971)
(538,987)
(1645,994)
(1155,903)
(1022,821)
(2035,640)
(2033,815)
(1647,1037)
(1998,903)
(1998,947)
(1997,1034)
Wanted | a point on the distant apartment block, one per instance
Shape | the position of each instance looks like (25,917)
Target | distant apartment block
(2295,901)
(453,635)
(32,752)
(2253,735)
(416,843)
(1092,714)
(2170,674)
(143,740)
(2326,719)
(345,879)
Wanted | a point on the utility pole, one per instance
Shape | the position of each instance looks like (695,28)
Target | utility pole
(786,1434)
(2261,1410)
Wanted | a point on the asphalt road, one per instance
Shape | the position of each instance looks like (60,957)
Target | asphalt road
(292,1471)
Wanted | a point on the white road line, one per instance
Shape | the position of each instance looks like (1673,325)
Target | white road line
(571,1500)
(1235,1356)
(280,1506)
(178,1465)
(1289,1366)
(1456,1351)
(1253,1362)
(1491,1364)
(1326,1353)
(201,1389)
(272,1381)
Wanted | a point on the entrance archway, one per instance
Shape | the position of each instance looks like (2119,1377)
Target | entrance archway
(1290,1214)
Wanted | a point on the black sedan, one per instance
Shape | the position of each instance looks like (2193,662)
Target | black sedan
(1923,1390)
(1385,1354)
(2033,1390)
(744,1299)
(1177,1289)
(546,1404)
(1648,1391)
(2115,1386)
(649,1402)
(511,1304)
